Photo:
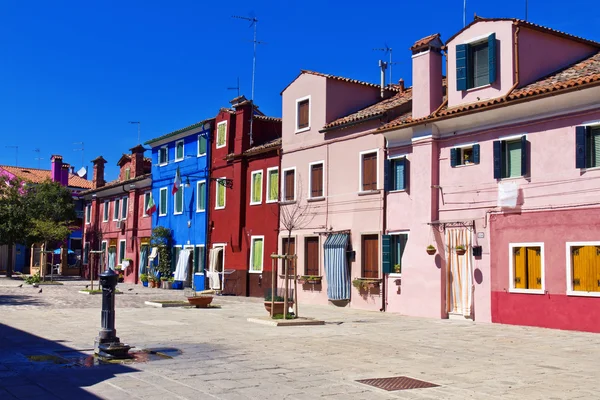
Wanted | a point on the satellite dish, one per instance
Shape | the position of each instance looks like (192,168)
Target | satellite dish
(82,172)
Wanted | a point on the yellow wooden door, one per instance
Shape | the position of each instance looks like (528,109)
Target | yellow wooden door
(520,278)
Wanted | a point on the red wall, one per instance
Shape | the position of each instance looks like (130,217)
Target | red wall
(554,309)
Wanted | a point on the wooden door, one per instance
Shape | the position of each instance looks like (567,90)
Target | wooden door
(370,256)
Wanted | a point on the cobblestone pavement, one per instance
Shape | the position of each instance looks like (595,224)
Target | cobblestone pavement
(223,356)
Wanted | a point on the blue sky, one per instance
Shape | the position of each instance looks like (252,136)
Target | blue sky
(78,71)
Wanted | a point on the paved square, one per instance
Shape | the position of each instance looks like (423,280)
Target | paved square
(223,356)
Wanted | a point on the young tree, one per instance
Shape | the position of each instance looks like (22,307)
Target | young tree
(15,219)
(162,238)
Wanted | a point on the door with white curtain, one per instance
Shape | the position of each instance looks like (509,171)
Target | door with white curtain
(459,273)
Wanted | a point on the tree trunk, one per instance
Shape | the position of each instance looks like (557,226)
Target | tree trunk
(9,263)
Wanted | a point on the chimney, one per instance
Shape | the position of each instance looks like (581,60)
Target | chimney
(72,170)
(401,85)
(55,171)
(383,67)
(64,174)
(137,161)
(427,76)
(98,176)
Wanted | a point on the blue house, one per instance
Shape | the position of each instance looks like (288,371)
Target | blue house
(185,212)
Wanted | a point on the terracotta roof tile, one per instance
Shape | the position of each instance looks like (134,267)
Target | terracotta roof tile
(393,88)
(425,41)
(115,183)
(373,110)
(273,144)
(178,131)
(267,118)
(36,175)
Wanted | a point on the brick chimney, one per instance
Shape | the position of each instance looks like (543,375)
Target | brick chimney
(98,176)
(55,170)
(64,174)
(137,161)
(427,76)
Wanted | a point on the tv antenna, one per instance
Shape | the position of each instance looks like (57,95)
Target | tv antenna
(237,87)
(253,23)
(38,158)
(526,6)
(81,150)
(387,50)
(139,124)
(16,154)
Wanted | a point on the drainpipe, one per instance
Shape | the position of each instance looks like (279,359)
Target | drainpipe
(516,64)
(383,229)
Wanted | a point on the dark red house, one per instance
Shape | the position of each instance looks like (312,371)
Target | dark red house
(244,199)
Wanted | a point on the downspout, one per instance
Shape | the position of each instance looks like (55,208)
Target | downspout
(207,206)
(383,230)
(516,64)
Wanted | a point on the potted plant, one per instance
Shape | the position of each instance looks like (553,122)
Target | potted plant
(397,268)
(278,304)
(166,283)
(144,279)
(460,249)
(310,279)
(302,280)
(431,250)
(200,299)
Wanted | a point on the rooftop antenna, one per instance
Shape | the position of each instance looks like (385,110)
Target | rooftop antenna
(16,154)
(253,23)
(388,50)
(139,124)
(81,150)
(38,158)
(237,87)
(526,6)
(464,13)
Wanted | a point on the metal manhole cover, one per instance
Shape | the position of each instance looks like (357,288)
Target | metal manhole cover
(397,383)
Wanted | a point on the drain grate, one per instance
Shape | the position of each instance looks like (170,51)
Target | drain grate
(397,383)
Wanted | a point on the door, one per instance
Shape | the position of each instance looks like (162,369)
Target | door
(459,273)
(370,256)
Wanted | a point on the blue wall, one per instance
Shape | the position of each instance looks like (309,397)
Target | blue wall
(164,176)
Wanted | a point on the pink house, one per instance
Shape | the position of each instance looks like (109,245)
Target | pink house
(505,163)
(332,171)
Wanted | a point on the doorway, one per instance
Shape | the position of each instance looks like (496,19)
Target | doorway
(459,273)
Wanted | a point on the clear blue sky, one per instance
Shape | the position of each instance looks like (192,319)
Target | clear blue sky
(73,71)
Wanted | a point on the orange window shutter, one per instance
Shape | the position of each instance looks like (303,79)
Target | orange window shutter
(596,269)
(534,267)
(520,279)
(577,266)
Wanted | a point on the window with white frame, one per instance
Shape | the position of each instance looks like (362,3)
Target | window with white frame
(526,263)
(398,243)
(256,187)
(124,203)
(303,114)
(179,153)
(368,171)
(272,184)
(105,206)
(256,253)
(583,268)
(88,213)
(147,197)
(127,174)
(511,157)
(397,173)
(476,63)
(163,202)
(178,202)
(199,259)
(315,180)
(587,146)
(201,145)
(200,196)
(121,251)
(221,134)
(464,155)
(163,155)
(116,209)
(220,193)
(288,184)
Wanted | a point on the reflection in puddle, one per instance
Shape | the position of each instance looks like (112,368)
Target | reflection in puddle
(91,360)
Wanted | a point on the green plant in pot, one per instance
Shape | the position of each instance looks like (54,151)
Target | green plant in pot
(397,268)
(431,250)
(460,249)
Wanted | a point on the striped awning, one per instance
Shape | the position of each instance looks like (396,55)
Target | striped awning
(336,266)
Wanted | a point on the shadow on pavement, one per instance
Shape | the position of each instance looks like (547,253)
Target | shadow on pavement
(34,367)
(20,300)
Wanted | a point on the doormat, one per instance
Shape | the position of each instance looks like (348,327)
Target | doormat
(397,383)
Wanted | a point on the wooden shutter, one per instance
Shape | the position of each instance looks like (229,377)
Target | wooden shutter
(476,154)
(462,66)
(273,184)
(303,114)
(311,259)
(369,172)
(497,159)
(386,254)
(291,250)
(370,256)
(316,180)
(524,156)
(289,185)
(519,258)
(534,268)
(492,58)
(454,157)
(578,267)
(586,268)
(388,175)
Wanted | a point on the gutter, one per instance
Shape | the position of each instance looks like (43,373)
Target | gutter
(352,123)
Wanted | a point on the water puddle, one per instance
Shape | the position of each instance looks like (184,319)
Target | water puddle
(81,359)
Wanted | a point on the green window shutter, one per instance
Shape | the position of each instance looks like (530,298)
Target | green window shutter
(256,187)
(476,153)
(462,67)
(524,156)
(257,254)
(274,185)
(492,58)
(454,157)
(201,196)
(386,256)
(220,194)
(497,159)
(581,134)
(387,176)
(196,258)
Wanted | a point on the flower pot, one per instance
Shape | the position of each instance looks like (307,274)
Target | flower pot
(302,281)
(373,285)
(145,284)
(166,285)
(278,306)
(152,284)
(200,301)
(431,251)
(460,252)
(158,284)
(315,281)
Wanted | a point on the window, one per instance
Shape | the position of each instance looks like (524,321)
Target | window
(86,252)
(175,251)
(147,197)
(272,184)
(200,196)
(121,251)
(396,173)
(288,246)
(88,213)
(583,267)
(201,145)
(256,253)
(398,245)
(163,155)
(368,171)
(316,180)
(179,150)
(105,211)
(116,209)
(464,155)
(124,203)
(103,248)
(476,63)
(199,260)
(289,184)
(163,202)
(370,256)
(527,267)
(303,114)
(587,146)
(510,158)
(221,134)
(127,174)
(256,187)
(311,256)
(178,201)
(220,190)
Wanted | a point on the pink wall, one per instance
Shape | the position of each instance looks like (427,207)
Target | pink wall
(344,98)
(504,73)
(555,52)
(427,83)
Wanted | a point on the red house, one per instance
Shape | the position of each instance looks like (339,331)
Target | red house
(115,219)
(244,199)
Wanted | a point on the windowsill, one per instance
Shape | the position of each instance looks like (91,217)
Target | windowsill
(256,204)
(368,192)
(397,191)
(315,199)
(201,155)
(527,291)
(582,294)
(395,275)
(162,215)
(287,202)
(271,201)
(200,211)
(178,213)
(478,87)
(220,208)
(302,130)
(163,164)
(465,165)
(220,147)
(512,178)
(255,272)
(179,160)
(590,169)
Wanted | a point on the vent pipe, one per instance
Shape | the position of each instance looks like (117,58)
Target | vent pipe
(383,67)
